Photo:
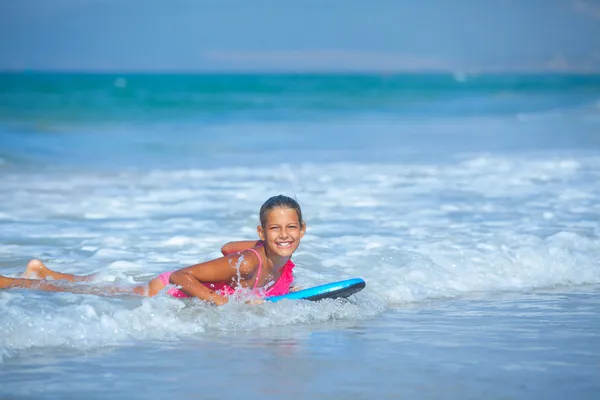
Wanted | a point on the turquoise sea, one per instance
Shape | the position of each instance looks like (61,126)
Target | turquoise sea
(469,203)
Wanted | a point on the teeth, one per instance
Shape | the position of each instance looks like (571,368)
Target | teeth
(284,244)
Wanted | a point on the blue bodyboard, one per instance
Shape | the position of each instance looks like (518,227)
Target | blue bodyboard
(331,290)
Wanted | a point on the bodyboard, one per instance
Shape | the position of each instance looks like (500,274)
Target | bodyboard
(333,290)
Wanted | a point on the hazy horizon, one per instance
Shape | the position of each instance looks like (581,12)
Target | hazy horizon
(316,36)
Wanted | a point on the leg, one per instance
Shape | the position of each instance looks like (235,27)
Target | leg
(36,268)
(24,283)
(49,286)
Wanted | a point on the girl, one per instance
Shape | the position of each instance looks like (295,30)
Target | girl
(264,264)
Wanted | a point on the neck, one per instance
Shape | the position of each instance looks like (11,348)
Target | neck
(274,260)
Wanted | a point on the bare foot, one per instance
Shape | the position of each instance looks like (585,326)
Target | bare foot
(36,269)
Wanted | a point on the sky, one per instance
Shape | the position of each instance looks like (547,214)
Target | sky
(300,35)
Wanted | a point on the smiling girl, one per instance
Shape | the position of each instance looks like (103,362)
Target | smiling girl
(264,265)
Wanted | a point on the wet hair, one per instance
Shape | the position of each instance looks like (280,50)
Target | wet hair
(279,201)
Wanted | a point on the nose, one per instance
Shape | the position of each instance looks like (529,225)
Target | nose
(283,234)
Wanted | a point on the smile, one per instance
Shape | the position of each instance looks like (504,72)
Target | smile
(284,244)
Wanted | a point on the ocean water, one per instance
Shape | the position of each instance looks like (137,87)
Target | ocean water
(469,204)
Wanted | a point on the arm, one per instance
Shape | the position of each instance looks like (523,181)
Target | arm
(223,269)
(234,247)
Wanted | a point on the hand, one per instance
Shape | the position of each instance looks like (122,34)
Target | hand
(219,300)
(295,288)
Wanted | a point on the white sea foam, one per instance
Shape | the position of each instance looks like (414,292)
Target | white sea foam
(81,321)
(414,232)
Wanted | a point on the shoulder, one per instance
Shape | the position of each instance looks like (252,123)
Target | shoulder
(247,260)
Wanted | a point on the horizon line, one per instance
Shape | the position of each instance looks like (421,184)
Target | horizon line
(309,71)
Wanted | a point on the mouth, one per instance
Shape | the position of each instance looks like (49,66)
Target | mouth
(284,245)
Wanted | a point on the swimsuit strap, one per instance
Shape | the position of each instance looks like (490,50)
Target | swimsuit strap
(259,266)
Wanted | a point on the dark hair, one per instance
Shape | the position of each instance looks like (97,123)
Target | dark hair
(279,201)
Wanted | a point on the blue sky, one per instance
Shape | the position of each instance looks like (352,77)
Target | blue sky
(307,35)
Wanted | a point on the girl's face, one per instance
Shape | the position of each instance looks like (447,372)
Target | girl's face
(282,231)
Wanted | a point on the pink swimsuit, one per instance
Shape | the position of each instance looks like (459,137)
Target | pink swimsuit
(281,286)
